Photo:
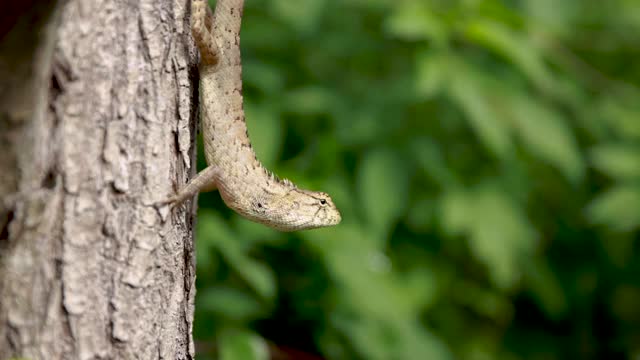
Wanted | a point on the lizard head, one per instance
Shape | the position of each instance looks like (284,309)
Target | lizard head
(295,209)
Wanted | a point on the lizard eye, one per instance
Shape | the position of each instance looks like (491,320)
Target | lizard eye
(323,202)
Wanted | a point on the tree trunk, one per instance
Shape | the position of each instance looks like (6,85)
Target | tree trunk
(96,120)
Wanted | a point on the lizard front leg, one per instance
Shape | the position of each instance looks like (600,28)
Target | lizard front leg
(205,180)
(201,25)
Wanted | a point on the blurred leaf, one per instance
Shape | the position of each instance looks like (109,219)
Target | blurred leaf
(366,275)
(259,276)
(414,20)
(383,189)
(228,303)
(432,73)
(415,341)
(624,300)
(514,47)
(243,345)
(630,13)
(328,153)
(303,18)
(422,287)
(617,160)
(430,158)
(360,127)
(466,91)
(310,100)
(546,288)
(399,340)
(555,16)
(365,334)
(484,302)
(256,233)
(456,211)
(262,33)
(265,128)
(372,4)
(422,214)
(546,135)
(622,119)
(499,234)
(266,77)
(211,230)
(618,208)
(215,234)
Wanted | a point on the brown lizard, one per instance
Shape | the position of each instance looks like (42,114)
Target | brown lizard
(245,185)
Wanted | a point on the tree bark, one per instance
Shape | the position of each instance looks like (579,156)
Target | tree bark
(96,118)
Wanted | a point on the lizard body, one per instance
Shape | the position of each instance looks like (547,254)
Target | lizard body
(245,185)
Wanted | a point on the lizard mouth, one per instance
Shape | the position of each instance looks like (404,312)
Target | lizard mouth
(336,219)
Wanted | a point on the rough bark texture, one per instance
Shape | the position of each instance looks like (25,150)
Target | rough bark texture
(96,118)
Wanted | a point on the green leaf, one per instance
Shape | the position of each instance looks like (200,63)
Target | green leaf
(456,211)
(466,90)
(310,100)
(243,345)
(546,135)
(622,119)
(484,301)
(228,303)
(500,235)
(545,288)
(366,276)
(302,18)
(383,189)
(359,127)
(403,339)
(259,276)
(619,161)
(432,73)
(431,160)
(266,77)
(514,47)
(422,214)
(555,16)
(414,20)
(256,233)
(372,4)
(618,208)
(266,131)
(210,233)
(216,234)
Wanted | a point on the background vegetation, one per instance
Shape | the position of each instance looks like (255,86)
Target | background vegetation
(485,155)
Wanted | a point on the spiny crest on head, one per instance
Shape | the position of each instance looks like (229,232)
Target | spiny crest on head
(288,183)
(275,178)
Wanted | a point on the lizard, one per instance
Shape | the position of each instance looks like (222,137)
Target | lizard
(244,184)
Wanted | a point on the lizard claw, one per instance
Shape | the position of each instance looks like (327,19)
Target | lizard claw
(164,207)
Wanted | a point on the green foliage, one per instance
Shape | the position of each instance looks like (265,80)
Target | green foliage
(242,345)
(485,156)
